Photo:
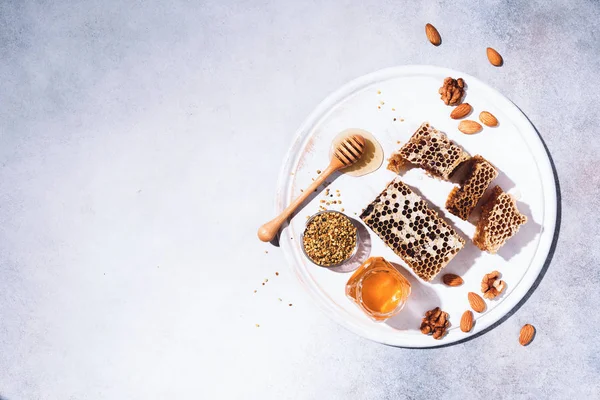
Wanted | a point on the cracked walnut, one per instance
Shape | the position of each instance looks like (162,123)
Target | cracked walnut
(491,285)
(452,91)
(436,322)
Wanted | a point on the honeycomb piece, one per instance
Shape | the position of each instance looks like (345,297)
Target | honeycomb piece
(395,163)
(412,230)
(500,220)
(431,150)
(462,200)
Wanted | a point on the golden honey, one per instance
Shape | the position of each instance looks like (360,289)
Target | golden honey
(378,288)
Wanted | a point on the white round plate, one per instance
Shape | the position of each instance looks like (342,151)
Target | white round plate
(410,94)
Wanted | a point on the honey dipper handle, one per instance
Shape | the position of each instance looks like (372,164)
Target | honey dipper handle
(268,231)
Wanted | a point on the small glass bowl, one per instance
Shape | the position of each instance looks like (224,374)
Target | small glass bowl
(355,245)
(372,266)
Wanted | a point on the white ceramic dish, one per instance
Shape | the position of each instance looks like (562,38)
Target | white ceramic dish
(513,147)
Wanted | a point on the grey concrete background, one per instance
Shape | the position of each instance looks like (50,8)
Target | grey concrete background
(139,148)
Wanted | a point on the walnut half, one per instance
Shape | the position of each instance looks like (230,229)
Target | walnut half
(491,285)
(452,91)
(436,322)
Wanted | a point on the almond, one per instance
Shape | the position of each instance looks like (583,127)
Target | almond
(452,280)
(488,118)
(476,302)
(466,321)
(526,335)
(461,111)
(494,57)
(469,127)
(433,35)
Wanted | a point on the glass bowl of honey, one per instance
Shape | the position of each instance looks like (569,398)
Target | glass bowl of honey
(378,288)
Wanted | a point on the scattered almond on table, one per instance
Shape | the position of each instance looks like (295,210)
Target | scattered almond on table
(526,334)
(433,35)
(494,57)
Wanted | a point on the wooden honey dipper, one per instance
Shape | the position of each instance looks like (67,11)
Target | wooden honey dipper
(346,153)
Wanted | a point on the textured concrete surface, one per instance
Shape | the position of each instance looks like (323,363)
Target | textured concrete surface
(139,149)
